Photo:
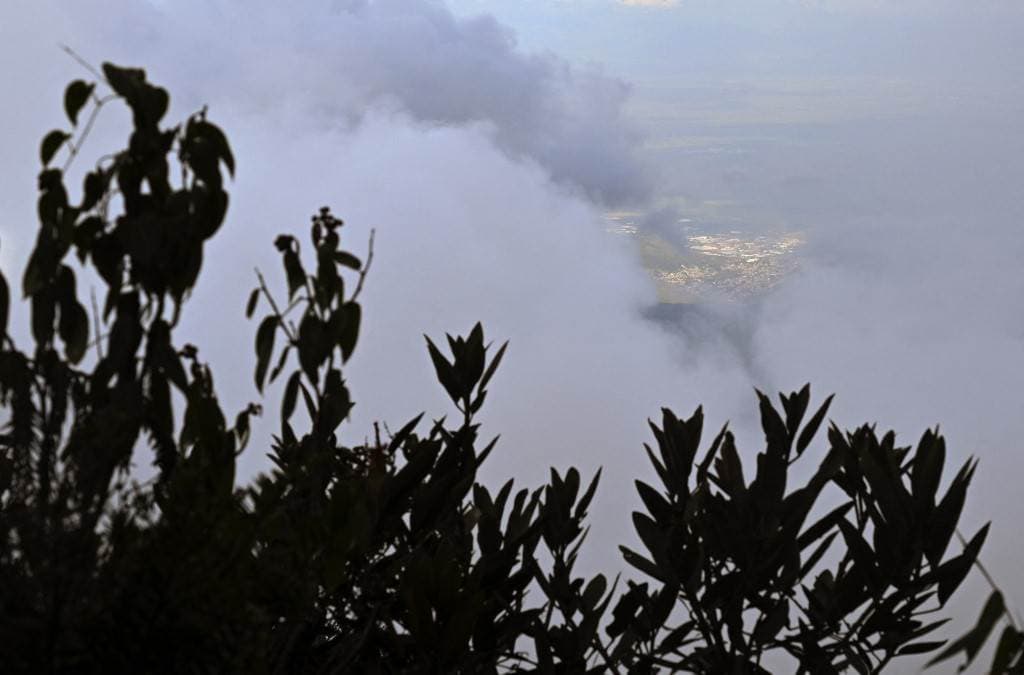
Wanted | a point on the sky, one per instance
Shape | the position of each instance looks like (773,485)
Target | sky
(485,140)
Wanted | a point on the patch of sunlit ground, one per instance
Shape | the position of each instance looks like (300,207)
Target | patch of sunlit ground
(710,264)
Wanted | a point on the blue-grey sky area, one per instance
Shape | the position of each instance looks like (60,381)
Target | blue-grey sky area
(486,140)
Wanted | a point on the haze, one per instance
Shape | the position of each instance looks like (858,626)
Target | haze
(487,140)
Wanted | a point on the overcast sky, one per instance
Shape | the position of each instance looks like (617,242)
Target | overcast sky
(485,139)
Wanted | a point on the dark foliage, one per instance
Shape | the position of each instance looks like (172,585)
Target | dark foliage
(1008,656)
(389,556)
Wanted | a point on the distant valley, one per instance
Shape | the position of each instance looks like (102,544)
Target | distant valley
(700,263)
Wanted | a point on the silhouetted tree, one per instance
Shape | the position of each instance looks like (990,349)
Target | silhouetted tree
(388,556)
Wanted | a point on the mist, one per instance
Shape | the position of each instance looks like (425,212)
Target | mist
(485,141)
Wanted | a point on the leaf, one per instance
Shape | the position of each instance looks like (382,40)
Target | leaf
(93,186)
(349,329)
(641,563)
(772,622)
(1011,646)
(42,317)
(677,638)
(926,472)
(294,271)
(124,81)
(666,480)
(153,103)
(51,144)
(291,392)
(942,523)
(952,573)
(493,367)
(775,431)
(5,305)
(212,134)
(250,306)
(811,428)
(348,260)
(445,371)
(307,398)
(473,355)
(656,505)
(485,453)
(702,468)
(824,525)
(807,566)
(399,438)
(336,402)
(86,232)
(650,534)
(971,642)
(75,96)
(859,549)
(572,484)
(581,506)
(280,363)
(795,405)
(313,345)
(594,591)
(74,330)
(264,348)
(729,468)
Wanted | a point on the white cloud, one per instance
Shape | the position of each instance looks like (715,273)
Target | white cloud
(650,3)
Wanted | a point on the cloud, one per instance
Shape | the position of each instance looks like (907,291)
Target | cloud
(416,58)
(650,3)
(484,171)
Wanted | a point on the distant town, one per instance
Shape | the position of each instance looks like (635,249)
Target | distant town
(710,263)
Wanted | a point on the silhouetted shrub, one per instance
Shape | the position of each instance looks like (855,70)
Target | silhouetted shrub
(389,556)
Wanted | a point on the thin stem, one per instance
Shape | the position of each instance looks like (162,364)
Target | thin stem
(98,103)
(82,62)
(889,654)
(366,268)
(703,625)
(75,147)
(293,304)
(96,323)
(273,305)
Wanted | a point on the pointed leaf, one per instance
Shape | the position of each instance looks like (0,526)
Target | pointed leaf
(489,373)
(74,330)
(971,642)
(811,428)
(291,392)
(5,305)
(51,144)
(250,306)
(1009,649)
(75,96)
(641,563)
(348,260)
(264,348)
(445,371)
(952,573)
(350,330)
(294,272)
(944,519)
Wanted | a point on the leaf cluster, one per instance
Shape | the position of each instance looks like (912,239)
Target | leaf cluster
(749,564)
